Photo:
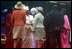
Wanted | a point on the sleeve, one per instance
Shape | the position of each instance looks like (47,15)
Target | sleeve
(32,18)
(24,17)
(12,19)
(35,22)
(6,20)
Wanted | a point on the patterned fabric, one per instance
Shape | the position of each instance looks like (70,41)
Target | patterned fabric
(29,19)
(17,32)
(27,37)
(39,34)
(38,21)
(9,35)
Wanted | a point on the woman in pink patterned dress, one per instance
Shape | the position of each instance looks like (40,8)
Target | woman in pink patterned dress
(66,32)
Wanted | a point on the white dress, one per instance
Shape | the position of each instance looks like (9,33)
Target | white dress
(27,40)
(29,19)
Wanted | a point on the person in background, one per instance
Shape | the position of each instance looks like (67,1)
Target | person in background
(4,13)
(66,31)
(33,12)
(47,42)
(38,28)
(3,27)
(9,36)
(27,35)
(55,21)
(18,21)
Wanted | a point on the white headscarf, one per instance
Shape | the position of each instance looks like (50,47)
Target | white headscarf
(26,8)
(33,11)
(39,8)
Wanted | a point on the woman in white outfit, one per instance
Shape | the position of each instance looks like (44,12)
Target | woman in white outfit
(27,40)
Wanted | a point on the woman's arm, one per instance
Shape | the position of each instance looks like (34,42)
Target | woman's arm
(35,22)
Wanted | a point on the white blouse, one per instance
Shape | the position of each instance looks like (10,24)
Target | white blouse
(29,19)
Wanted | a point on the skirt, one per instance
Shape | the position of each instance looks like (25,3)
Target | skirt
(27,37)
(39,34)
(18,31)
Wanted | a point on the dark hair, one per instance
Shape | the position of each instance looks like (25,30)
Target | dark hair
(63,10)
(54,7)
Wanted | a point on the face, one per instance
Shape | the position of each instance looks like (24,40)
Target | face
(63,10)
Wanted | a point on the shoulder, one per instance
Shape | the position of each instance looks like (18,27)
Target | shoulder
(23,10)
(65,16)
(36,15)
(15,11)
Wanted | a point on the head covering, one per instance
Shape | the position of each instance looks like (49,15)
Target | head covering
(19,5)
(26,8)
(5,10)
(33,11)
(39,9)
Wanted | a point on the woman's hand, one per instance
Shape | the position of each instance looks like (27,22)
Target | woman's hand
(31,23)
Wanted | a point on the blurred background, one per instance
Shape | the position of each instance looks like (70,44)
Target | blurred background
(9,5)
(45,4)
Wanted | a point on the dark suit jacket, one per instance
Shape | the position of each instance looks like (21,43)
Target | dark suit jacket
(54,18)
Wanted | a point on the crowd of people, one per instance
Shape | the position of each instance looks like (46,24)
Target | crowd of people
(51,31)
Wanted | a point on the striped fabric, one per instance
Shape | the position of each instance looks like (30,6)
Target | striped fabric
(27,38)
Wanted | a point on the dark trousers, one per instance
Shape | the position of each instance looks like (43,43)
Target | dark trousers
(55,39)
(47,42)
(52,39)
